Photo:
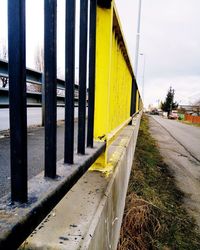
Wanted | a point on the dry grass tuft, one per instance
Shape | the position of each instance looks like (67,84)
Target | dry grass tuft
(140,224)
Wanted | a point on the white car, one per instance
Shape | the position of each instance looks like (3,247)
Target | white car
(173,115)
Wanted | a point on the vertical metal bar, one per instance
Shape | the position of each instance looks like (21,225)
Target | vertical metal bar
(133,97)
(43,100)
(82,75)
(139,104)
(132,93)
(17,94)
(92,68)
(50,76)
(69,80)
(136,100)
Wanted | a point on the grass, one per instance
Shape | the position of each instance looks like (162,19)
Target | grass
(154,217)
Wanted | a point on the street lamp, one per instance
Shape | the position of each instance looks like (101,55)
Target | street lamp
(143,74)
(138,39)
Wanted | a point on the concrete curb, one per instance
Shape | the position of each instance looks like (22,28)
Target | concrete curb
(90,215)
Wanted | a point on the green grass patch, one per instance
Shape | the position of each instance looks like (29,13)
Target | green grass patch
(154,216)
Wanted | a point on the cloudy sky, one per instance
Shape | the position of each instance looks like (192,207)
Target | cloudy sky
(170,40)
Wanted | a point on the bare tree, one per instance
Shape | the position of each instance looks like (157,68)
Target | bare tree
(39,58)
(60,73)
(197,102)
(3,51)
(39,66)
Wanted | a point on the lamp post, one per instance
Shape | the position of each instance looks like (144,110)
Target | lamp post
(143,73)
(138,39)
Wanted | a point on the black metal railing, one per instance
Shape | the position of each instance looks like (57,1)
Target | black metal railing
(14,231)
(17,88)
(33,200)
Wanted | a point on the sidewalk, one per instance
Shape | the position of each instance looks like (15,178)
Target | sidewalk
(35,153)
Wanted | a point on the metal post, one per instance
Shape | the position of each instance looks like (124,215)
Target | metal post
(138,39)
(143,74)
(70,80)
(17,94)
(133,97)
(50,76)
(82,75)
(92,67)
(43,99)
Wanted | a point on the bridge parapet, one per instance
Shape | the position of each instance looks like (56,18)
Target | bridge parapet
(94,206)
(113,101)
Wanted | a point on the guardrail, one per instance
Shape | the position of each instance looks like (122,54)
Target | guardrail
(34,85)
(113,99)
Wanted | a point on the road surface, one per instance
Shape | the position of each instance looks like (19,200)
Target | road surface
(179,145)
(188,136)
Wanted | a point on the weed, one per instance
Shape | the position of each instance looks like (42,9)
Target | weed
(154,217)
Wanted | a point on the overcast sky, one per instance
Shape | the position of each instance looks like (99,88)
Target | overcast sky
(170,40)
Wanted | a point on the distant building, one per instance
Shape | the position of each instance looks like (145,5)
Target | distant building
(189,109)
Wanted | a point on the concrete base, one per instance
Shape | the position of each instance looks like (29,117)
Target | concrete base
(90,215)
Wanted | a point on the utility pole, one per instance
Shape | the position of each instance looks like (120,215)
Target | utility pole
(138,39)
(143,74)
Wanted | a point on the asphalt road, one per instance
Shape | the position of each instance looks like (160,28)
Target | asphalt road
(188,136)
(34,116)
(177,144)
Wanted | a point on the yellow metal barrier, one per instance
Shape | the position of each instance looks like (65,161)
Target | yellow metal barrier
(137,101)
(114,77)
(103,72)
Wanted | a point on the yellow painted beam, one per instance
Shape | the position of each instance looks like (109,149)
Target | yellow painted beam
(113,82)
(103,75)
(137,101)
(103,72)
